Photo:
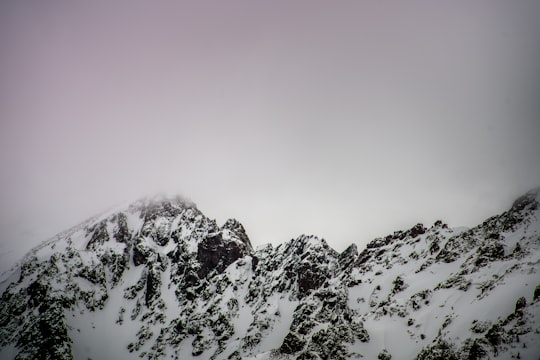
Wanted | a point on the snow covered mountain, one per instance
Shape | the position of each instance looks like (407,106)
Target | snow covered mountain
(159,280)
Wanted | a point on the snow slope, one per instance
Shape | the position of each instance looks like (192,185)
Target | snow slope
(159,280)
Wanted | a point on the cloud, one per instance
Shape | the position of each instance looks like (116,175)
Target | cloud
(346,121)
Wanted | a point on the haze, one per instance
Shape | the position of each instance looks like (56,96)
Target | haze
(344,119)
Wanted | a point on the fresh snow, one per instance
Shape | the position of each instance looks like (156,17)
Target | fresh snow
(406,291)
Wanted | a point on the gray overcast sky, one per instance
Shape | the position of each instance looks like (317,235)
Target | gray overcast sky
(345,119)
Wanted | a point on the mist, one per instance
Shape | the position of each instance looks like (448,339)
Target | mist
(347,120)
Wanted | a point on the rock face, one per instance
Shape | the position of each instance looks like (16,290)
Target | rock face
(159,280)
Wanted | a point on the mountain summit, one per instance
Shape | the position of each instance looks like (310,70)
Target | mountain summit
(160,280)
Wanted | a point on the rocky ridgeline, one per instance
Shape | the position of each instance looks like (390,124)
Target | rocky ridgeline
(177,285)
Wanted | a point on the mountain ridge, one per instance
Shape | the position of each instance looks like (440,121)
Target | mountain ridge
(178,285)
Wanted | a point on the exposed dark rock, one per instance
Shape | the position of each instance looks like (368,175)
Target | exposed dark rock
(310,277)
(122,233)
(475,351)
(329,344)
(440,350)
(254,262)
(348,256)
(37,293)
(440,224)
(46,336)
(434,247)
(153,283)
(99,235)
(292,344)
(364,257)
(116,263)
(495,335)
(417,230)
(384,355)
(138,256)
(520,304)
(489,252)
(237,229)
(526,201)
(398,285)
(536,294)
(214,253)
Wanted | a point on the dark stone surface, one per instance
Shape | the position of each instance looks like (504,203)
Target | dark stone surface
(213,253)
(292,344)
(99,235)
(237,229)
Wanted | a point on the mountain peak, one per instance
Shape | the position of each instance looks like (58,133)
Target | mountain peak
(175,284)
(160,204)
(529,200)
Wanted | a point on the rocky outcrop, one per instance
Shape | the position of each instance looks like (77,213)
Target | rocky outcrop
(215,253)
(179,286)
